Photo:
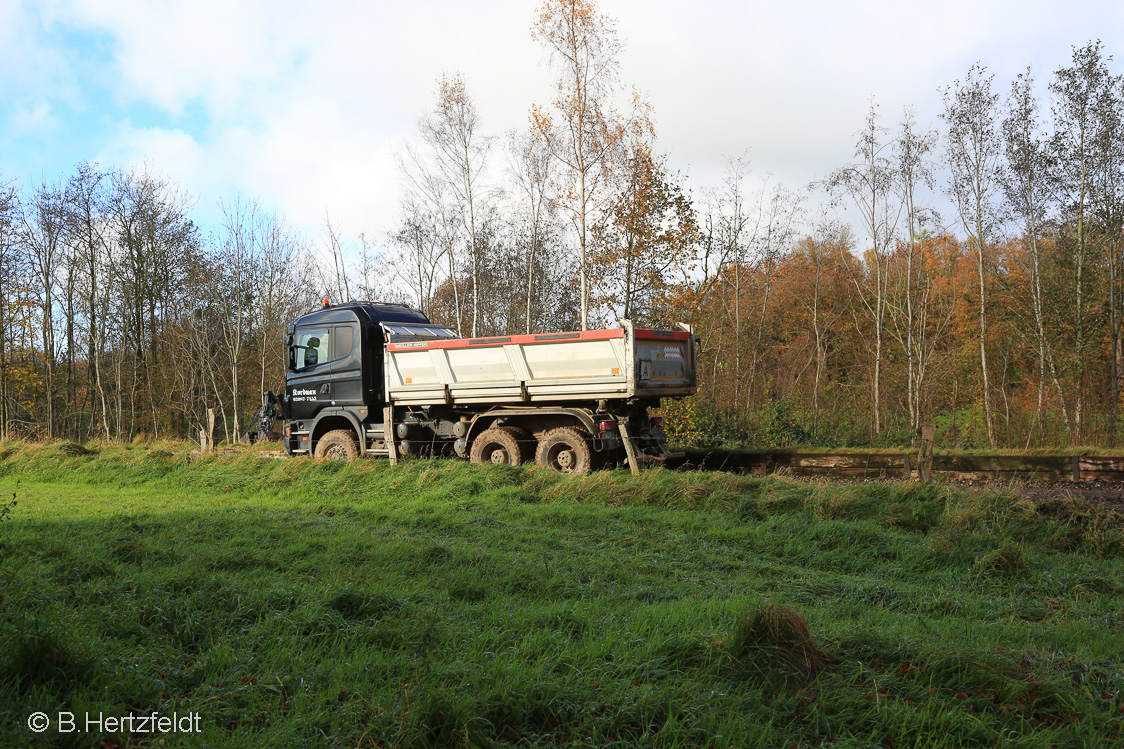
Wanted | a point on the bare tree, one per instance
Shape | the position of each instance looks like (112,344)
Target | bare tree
(334,278)
(1108,209)
(531,168)
(42,234)
(779,211)
(913,173)
(452,132)
(722,257)
(373,281)
(420,253)
(425,187)
(868,185)
(86,223)
(9,272)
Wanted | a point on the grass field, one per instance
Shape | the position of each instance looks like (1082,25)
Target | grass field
(299,603)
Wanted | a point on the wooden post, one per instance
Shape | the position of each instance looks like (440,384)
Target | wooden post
(908,468)
(388,434)
(629,448)
(1076,467)
(207,435)
(925,459)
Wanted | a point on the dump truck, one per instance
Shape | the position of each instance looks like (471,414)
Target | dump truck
(381,379)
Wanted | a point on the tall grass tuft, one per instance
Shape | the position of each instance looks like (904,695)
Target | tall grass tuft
(773,642)
(1008,559)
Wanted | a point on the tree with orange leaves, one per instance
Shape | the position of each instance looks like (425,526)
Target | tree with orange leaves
(647,233)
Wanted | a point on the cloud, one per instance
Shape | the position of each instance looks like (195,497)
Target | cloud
(302,105)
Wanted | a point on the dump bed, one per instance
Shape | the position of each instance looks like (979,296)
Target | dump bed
(421,370)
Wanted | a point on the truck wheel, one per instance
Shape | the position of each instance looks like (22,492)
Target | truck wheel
(565,450)
(338,444)
(497,445)
(525,440)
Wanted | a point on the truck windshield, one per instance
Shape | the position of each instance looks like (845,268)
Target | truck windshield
(310,348)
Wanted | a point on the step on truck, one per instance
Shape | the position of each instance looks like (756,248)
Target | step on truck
(380,379)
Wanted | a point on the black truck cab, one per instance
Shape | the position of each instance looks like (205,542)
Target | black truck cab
(335,378)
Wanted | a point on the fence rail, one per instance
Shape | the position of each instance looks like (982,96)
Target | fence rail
(910,465)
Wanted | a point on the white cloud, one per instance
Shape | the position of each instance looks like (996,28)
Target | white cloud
(302,105)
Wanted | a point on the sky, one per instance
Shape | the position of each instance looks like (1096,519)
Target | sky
(302,106)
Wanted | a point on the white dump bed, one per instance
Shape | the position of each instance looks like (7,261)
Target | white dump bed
(430,368)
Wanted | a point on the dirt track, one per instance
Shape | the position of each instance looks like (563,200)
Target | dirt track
(1109,494)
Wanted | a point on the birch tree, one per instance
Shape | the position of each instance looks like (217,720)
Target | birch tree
(1078,144)
(867,184)
(460,150)
(913,173)
(582,129)
(974,152)
(531,168)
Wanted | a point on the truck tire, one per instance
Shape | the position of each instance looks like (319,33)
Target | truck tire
(526,442)
(566,450)
(338,444)
(498,445)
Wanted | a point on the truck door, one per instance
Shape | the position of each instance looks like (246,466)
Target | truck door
(347,370)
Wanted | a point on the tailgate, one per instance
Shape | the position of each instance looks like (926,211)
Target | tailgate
(665,361)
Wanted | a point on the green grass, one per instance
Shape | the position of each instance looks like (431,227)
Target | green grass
(299,603)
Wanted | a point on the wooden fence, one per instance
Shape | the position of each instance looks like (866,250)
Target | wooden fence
(909,465)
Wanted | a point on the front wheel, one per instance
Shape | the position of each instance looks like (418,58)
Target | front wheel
(338,444)
(566,450)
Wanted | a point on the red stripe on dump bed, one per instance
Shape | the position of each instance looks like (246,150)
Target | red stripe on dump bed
(663,335)
(588,335)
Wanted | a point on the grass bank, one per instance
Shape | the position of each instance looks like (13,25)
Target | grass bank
(297,603)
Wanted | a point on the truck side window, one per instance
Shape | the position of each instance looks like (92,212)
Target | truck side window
(341,342)
(311,347)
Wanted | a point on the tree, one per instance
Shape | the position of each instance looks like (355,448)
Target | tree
(648,230)
(452,131)
(584,131)
(722,258)
(913,172)
(825,300)
(1108,210)
(531,168)
(973,150)
(41,234)
(1081,92)
(155,244)
(9,273)
(86,220)
(420,254)
(868,184)
(1026,187)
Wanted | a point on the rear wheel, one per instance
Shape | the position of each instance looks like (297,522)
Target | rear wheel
(566,450)
(338,444)
(499,445)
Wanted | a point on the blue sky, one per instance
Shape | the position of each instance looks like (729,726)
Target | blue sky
(302,105)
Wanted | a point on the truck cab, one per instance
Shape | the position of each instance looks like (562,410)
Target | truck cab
(335,376)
